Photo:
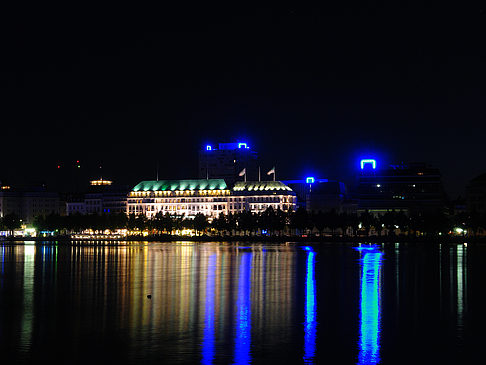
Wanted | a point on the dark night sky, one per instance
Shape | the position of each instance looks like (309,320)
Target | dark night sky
(311,89)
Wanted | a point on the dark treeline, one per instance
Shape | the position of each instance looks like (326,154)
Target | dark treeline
(270,222)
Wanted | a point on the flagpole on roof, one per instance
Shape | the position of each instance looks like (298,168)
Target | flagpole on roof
(272,171)
(243,173)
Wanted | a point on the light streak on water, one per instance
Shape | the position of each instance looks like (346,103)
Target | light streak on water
(28,305)
(461,272)
(243,312)
(310,309)
(208,348)
(370,307)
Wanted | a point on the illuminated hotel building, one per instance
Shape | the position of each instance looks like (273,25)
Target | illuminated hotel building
(208,196)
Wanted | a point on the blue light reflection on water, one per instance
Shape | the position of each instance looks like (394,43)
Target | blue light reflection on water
(310,308)
(370,305)
(208,349)
(243,312)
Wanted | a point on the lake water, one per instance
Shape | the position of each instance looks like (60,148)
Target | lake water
(228,303)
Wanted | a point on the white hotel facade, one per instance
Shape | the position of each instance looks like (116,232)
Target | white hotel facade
(208,196)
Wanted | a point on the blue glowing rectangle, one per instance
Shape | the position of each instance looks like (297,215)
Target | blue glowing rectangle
(310,180)
(368,161)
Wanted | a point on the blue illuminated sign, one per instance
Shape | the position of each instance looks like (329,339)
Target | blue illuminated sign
(368,161)
(242,145)
(208,148)
(310,308)
(370,307)
(243,312)
(310,180)
(208,347)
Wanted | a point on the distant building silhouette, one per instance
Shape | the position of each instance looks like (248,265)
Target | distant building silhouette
(476,195)
(414,187)
(28,202)
(226,161)
(101,197)
(323,195)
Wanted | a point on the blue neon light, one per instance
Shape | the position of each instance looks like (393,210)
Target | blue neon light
(208,148)
(3,263)
(370,307)
(310,308)
(310,180)
(242,145)
(372,248)
(368,161)
(243,312)
(208,347)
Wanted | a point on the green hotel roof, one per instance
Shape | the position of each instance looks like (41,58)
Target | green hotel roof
(260,186)
(172,185)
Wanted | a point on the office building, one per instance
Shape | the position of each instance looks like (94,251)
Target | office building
(101,197)
(411,188)
(476,195)
(226,161)
(28,202)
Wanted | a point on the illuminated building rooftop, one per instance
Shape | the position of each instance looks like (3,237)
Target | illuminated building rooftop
(260,186)
(228,146)
(178,185)
(100,182)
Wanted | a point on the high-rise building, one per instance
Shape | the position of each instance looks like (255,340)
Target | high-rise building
(476,195)
(414,187)
(226,161)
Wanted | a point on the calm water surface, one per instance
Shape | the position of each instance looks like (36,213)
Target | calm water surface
(228,303)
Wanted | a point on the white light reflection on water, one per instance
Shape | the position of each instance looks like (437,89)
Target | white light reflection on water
(461,275)
(370,305)
(28,305)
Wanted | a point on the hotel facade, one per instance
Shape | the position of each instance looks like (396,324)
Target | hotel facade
(208,196)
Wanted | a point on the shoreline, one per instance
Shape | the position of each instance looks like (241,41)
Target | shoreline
(263,239)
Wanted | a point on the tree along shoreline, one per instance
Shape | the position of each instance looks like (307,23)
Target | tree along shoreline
(267,225)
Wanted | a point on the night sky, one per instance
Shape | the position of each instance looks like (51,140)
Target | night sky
(312,89)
